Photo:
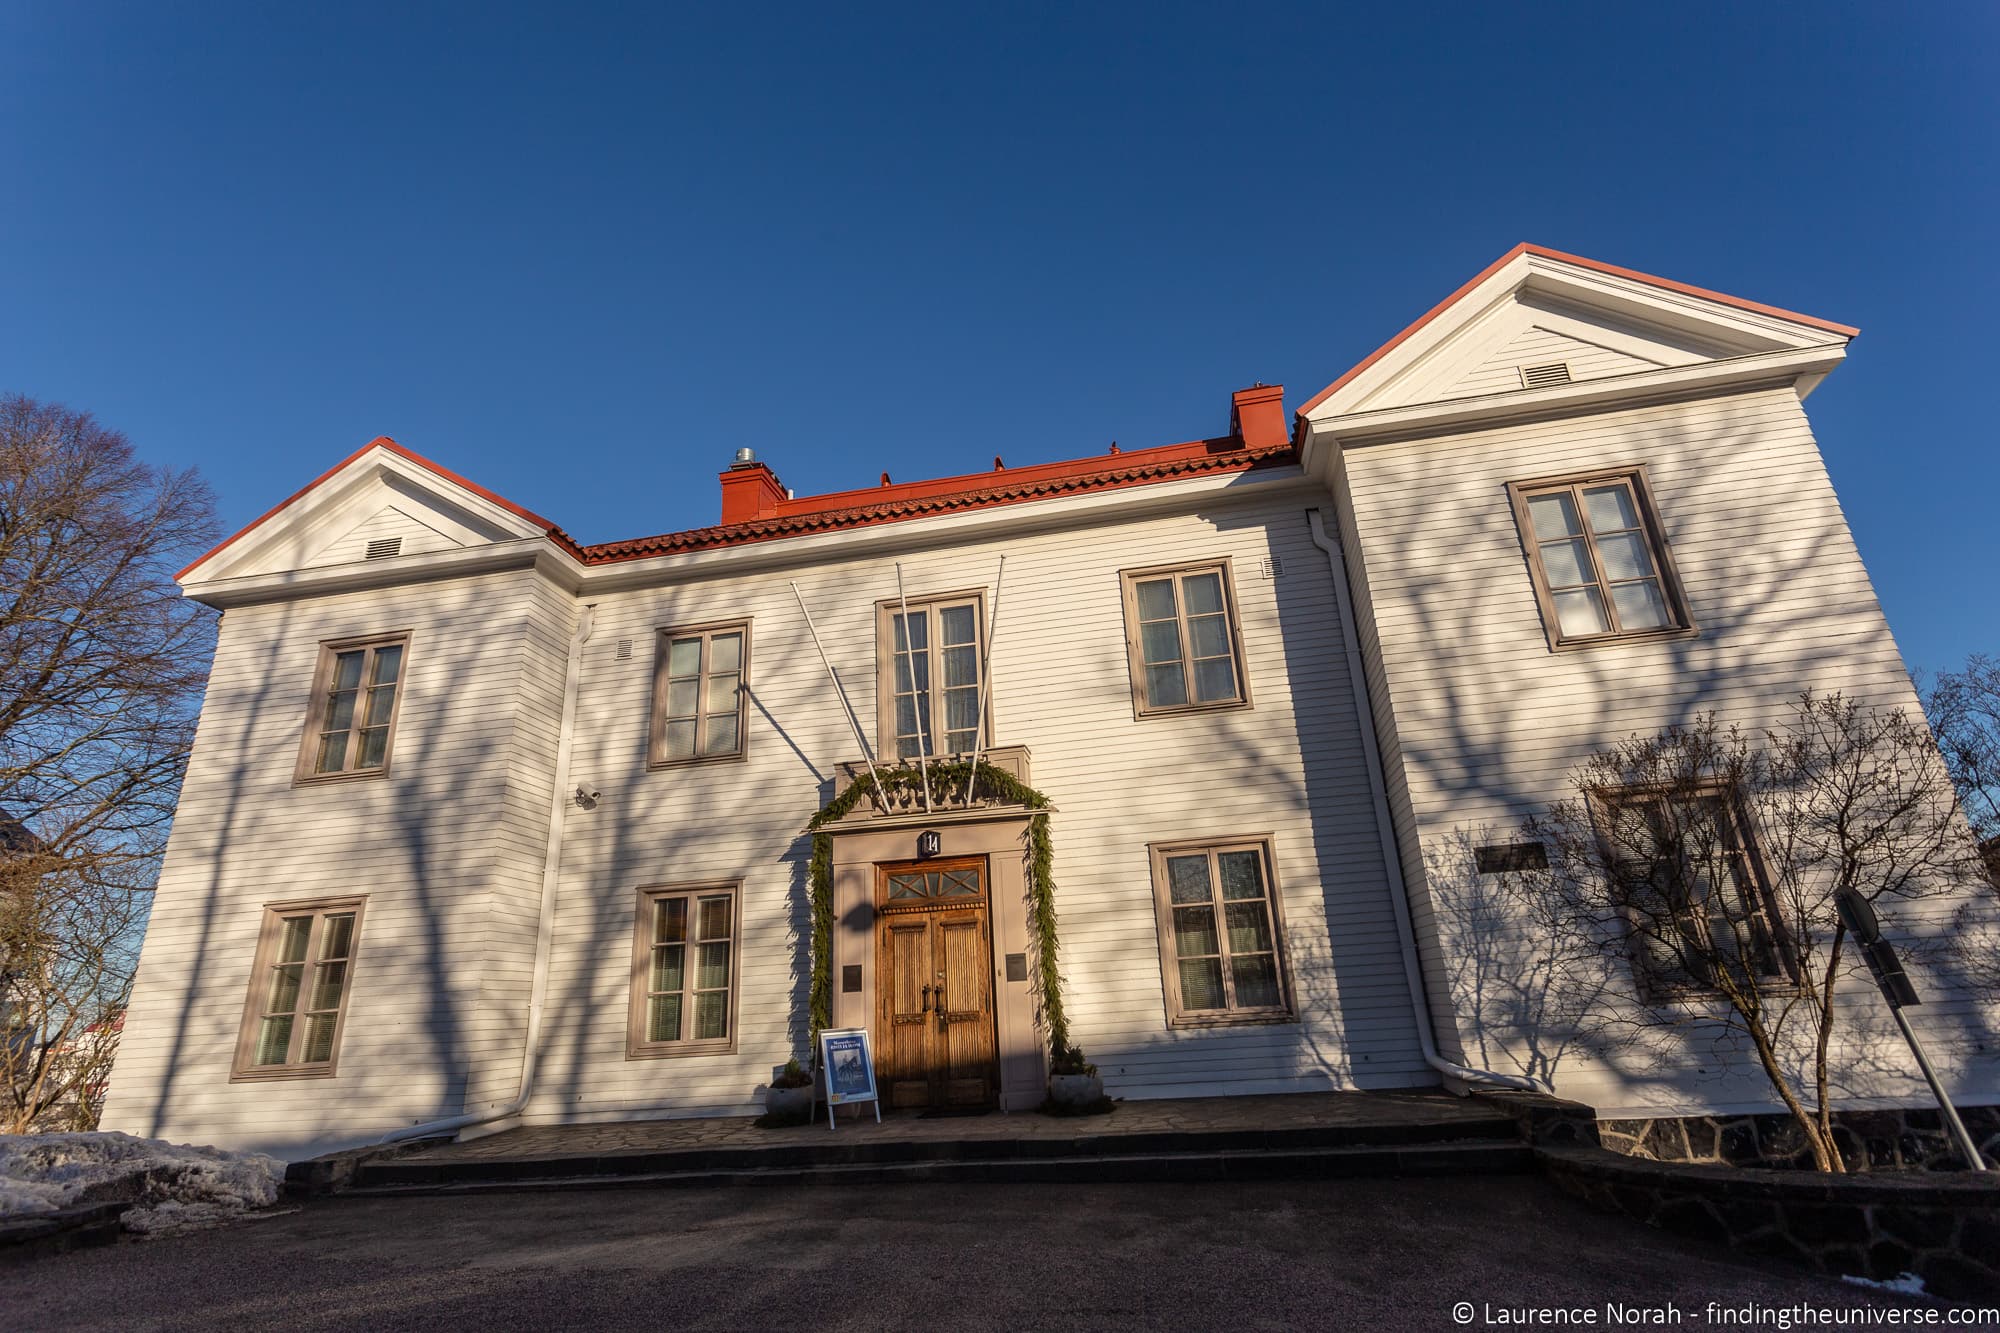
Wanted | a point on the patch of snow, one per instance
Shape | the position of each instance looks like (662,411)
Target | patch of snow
(175,1186)
(1907,1284)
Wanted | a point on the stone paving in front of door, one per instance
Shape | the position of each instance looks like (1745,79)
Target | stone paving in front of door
(1288,1113)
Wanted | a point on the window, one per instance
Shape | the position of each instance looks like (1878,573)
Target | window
(1600,568)
(1687,879)
(354,708)
(298,989)
(698,694)
(929,672)
(1180,632)
(684,972)
(1221,934)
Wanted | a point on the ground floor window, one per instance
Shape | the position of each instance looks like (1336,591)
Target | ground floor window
(1221,933)
(298,989)
(684,971)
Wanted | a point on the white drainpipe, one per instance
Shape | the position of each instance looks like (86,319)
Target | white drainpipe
(551,873)
(1385,827)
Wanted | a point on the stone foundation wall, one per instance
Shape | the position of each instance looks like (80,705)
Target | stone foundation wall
(1907,1139)
(1945,1230)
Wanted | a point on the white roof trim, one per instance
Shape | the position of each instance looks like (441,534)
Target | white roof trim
(1728,327)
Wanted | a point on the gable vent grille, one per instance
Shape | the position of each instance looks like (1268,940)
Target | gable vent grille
(624,649)
(1271,566)
(383,547)
(1543,377)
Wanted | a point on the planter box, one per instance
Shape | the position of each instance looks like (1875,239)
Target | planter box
(1076,1090)
(789,1104)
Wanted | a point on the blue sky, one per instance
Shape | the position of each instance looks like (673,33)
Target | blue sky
(581,254)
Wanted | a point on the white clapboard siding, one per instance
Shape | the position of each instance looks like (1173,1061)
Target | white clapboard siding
(450,845)
(1534,346)
(411,535)
(1291,767)
(446,846)
(1482,722)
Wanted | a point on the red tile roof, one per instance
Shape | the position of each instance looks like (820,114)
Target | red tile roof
(947,495)
(863,508)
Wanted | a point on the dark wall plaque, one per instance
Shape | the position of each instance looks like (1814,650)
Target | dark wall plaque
(1511,856)
(1017,967)
(850,978)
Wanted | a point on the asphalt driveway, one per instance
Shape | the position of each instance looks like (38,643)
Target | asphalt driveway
(1364,1254)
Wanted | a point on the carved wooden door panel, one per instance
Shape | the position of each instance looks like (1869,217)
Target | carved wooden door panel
(934,1011)
(904,1045)
(966,1050)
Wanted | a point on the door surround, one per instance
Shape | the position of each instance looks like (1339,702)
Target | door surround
(866,840)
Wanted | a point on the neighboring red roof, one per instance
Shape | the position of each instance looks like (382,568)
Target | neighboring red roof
(555,533)
(1525,248)
(944,495)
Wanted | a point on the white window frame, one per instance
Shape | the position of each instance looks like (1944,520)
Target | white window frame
(1231,1015)
(323,674)
(256,1006)
(657,742)
(887,613)
(638,1043)
(1129,581)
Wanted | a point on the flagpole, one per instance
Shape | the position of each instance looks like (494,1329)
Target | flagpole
(923,713)
(853,723)
(985,682)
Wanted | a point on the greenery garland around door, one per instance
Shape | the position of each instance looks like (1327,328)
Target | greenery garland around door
(945,775)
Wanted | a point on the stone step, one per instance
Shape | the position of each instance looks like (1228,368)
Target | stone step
(851,1150)
(1471,1157)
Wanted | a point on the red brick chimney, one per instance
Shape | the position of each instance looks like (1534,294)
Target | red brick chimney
(750,490)
(1257,416)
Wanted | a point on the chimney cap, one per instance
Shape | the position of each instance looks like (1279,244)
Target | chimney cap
(746,455)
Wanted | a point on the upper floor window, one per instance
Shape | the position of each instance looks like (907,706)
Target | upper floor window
(298,989)
(1688,881)
(1600,566)
(1182,639)
(929,669)
(354,707)
(698,693)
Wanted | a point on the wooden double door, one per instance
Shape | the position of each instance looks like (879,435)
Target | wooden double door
(935,1041)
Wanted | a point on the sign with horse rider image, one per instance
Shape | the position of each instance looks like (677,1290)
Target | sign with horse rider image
(850,1070)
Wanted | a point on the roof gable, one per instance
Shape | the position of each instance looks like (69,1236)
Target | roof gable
(1535,306)
(381,491)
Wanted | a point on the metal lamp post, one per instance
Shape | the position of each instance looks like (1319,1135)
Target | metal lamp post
(1859,917)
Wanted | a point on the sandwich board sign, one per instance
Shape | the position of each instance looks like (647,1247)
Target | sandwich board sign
(850,1069)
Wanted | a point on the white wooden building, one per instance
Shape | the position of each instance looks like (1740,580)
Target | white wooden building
(485,825)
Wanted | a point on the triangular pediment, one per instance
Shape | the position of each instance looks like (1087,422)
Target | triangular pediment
(382,503)
(390,531)
(1537,319)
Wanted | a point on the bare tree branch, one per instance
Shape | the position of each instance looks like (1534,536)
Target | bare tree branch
(1704,862)
(102,665)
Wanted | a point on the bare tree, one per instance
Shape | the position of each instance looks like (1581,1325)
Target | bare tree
(1964,709)
(101,669)
(1703,862)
